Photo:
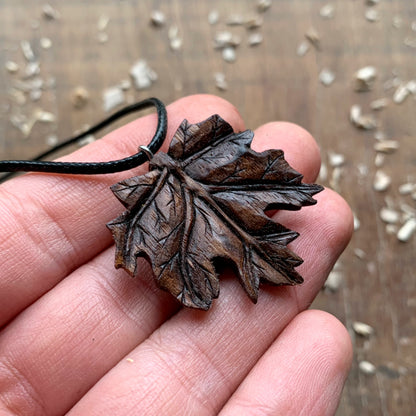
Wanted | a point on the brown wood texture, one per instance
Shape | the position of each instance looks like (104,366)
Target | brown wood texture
(267,82)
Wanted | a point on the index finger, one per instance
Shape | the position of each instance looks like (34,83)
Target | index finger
(52,224)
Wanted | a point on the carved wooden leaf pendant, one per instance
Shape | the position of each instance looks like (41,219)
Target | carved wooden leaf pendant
(205,200)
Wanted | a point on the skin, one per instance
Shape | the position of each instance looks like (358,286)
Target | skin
(79,337)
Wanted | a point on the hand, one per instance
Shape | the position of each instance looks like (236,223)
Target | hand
(79,336)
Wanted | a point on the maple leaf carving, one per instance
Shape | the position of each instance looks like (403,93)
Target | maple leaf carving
(206,200)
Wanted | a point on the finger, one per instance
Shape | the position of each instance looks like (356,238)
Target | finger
(302,373)
(195,361)
(300,148)
(53,223)
(90,313)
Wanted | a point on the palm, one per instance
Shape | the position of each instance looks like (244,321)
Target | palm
(79,335)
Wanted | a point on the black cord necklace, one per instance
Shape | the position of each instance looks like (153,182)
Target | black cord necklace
(94,168)
(203,200)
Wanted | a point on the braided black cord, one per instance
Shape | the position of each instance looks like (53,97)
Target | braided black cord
(94,168)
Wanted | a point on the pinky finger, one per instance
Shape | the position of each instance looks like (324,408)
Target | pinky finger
(302,373)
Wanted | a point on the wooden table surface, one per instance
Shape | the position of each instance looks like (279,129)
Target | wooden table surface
(266,82)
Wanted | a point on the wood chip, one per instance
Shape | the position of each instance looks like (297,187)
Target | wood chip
(44,116)
(220,81)
(365,78)
(49,12)
(52,140)
(327,77)
(79,97)
(86,140)
(255,39)
(372,15)
(263,5)
(102,37)
(253,22)
(27,50)
(327,11)
(31,69)
(379,160)
(112,97)
(336,159)
(303,48)
(130,360)
(366,122)
(225,39)
(362,329)
(157,18)
(323,173)
(357,222)
(386,146)
(407,188)
(389,215)
(45,43)
(313,37)
(334,280)
(228,54)
(143,76)
(175,40)
(11,67)
(367,368)
(235,20)
(381,181)
(213,17)
(379,104)
(403,91)
(407,230)
(102,23)
(361,254)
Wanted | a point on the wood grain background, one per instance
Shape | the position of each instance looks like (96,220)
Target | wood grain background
(267,82)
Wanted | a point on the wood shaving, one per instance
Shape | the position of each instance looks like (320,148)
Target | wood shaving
(235,20)
(327,11)
(175,40)
(386,146)
(357,222)
(303,48)
(45,43)
(32,69)
(367,368)
(410,42)
(86,140)
(397,22)
(379,104)
(79,97)
(365,78)
(253,22)
(323,173)
(336,159)
(255,39)
(389,215)
(213,17)
(361,254)
(404,90)
(327,77)
(52,140)
(263,5)
(11,67)
(112,97)
(27,50)
(143,76)
(226,39)
(372,15)
(407,230)
(381,181)
(366,122)
(102,37)
(228,54)
(362,329)
(379,160)
(49,12)
(334,280)
(102,23)
(313,37)
(157,18)
(220,81)
(44,116)
(407,188)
